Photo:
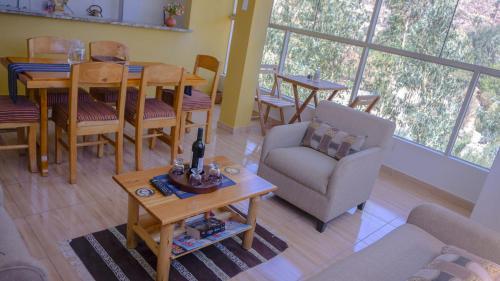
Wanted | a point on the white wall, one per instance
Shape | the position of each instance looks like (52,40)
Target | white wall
(487,208)
(451,175)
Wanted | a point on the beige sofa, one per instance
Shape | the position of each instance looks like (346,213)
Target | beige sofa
(410,247)
(16,264)
(315,182)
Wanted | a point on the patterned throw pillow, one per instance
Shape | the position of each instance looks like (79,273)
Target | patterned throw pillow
(331,141)
(455,264)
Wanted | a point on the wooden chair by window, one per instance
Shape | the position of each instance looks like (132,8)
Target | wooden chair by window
(108,51)
(365,100)
(55,47)
(270,99)
(198,101)
(152,113)
(20,115)
(79,118)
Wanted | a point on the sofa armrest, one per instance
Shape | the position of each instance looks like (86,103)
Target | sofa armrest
(454,229)
(353,177)
(1,197)
(22,270)
(283,136)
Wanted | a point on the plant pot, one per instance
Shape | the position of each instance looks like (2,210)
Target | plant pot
(170,21)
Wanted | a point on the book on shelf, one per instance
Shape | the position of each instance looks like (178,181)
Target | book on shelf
(203,228)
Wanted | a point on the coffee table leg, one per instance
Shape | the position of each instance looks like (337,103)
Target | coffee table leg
(44,131)
(163,264)
(251,220)
(133,219)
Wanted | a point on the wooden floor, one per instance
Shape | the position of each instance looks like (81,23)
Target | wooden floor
(48,210)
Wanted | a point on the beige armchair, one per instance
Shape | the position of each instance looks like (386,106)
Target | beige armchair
(315,182)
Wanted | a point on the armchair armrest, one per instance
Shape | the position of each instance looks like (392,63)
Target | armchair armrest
(353,177)
(283,136)
(1,197)
(454,229)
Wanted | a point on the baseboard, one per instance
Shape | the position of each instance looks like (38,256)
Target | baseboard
(232,130)
(465,204)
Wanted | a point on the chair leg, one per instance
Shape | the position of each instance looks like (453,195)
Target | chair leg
(266,116)
(208,127)
(189,116)
(261,119)
(32,148)
(119,152)
(282,116)
(174,136)
(182,128)
(58,133)
(21,138)
(100,147)
(138,149)
(320,226)
(152,141)
(361,206)
(72,157)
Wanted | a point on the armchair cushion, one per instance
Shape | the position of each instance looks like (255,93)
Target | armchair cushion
(331,141)
(305,165)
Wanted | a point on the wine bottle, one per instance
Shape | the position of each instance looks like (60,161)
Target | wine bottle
(198,152)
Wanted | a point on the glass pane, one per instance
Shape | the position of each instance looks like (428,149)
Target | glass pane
(418,26)
(475,34)
(337,62)
(479,138)
(345,18)
(271,54)
(295,13)
(423,98)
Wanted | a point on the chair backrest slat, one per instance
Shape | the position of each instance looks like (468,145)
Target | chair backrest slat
(365,100)
(211,64)
(49,45)
(270,69)
(109,49)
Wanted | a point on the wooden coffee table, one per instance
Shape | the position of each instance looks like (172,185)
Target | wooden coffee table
(166,214)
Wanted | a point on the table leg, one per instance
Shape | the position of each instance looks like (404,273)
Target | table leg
(133,219)
(332,95)
(299,111)
(251,220)
(44,131)
(163,264)
(297,104)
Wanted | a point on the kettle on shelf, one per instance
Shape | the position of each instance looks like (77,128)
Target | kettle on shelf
(94,11)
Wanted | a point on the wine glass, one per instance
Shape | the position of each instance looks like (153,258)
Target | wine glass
(214,174)
(76,53)
(178,168)
(195,178)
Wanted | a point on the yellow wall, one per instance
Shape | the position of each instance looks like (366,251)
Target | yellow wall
(244,63)
(209,21)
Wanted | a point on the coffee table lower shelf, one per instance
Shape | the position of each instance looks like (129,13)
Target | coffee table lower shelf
(148,229)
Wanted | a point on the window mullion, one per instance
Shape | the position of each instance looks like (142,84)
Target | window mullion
(449,28)
(366,50)
(462,112)
(284,51)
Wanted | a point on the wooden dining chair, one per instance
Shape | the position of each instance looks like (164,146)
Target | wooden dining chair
(109,51)
(58,48)
(270,99)
(153,114)
(79,118)
(365,100)
(20,116)
(198,101)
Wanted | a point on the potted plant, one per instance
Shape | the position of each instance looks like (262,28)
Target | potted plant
(172,9)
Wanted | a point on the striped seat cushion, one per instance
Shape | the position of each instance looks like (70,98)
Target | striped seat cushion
(88,111)
(109,95)
(60,96)
(23,111)
(197,100)
(153,109)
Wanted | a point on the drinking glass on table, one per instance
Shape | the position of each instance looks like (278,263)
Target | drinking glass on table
(214,174)
(76,53)
(178,168)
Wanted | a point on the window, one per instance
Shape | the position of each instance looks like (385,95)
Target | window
(271,55)
(337,62)
(419,55)
(424,99)
(479,136)
(418,26)
(475,34)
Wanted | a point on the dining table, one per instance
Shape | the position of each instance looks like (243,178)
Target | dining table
(41,81)
(314,86)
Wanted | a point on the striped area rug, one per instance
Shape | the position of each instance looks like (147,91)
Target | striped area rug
(104,256)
